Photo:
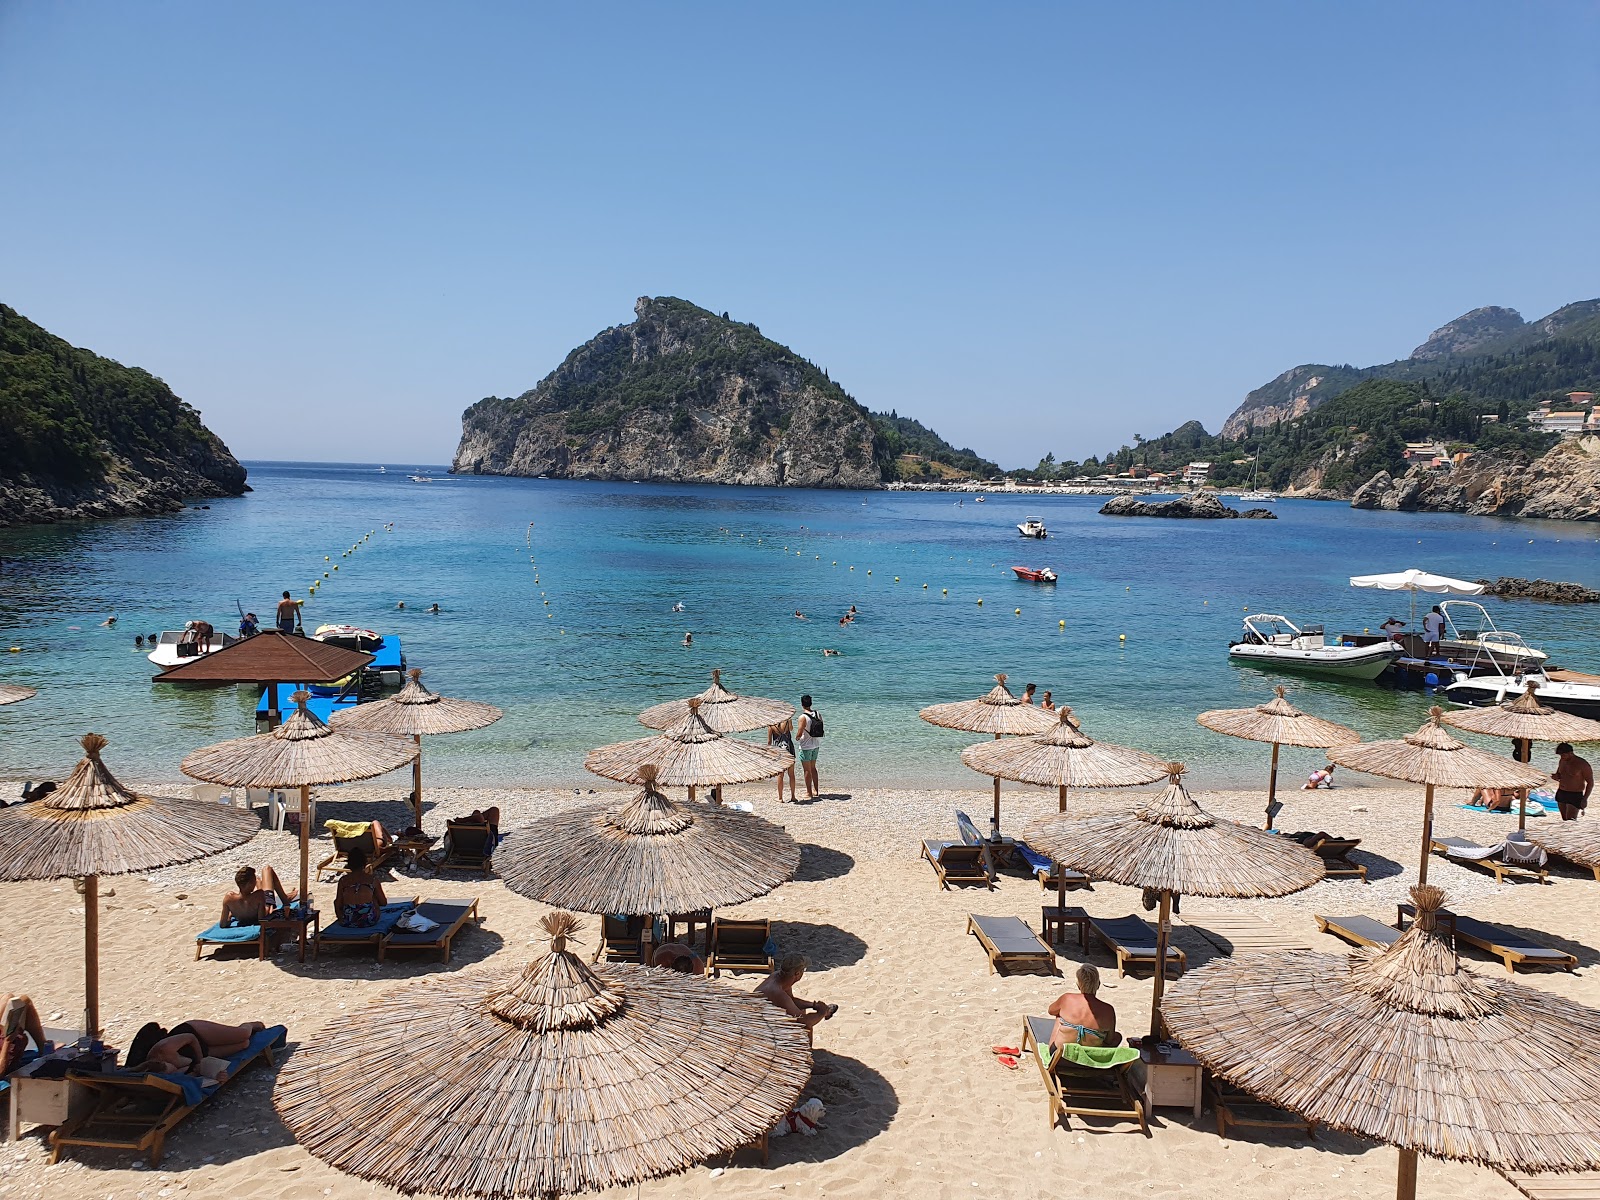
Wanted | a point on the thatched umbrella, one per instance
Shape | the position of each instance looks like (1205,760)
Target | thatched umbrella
(1408,1047)
(92,825)
(13,693)
(412,712)
(649,856)
(690,754)
(720,709)
(1577,841)
(1430,756)
(549,1079)
(301,753)
(1525,721)
(1281,723)
(997,712)
(1172,845)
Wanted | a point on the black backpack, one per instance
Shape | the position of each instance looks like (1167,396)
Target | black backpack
(814,724)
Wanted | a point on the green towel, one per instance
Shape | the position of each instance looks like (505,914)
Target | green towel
(1099,1057)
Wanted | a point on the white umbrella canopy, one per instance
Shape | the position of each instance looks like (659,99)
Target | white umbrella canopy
(1413,580)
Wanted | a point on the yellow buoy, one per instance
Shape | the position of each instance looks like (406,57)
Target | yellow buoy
(896,578)
(335,566)
(924,587)
(980,601)
(325,558)
(16,649)
(869,570)
(944,591)
(1122,637)
(1017,611)
(1062,624)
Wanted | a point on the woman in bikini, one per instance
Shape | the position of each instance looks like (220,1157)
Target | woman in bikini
(781,736)
(360,897)
(1083,1017)
(183,1049)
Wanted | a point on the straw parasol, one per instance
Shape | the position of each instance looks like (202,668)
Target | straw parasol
(92,825)
(1408,1047)
(412,712)
(14,693)
(721,710)
(998,712)
(690,754)
(1281,723)
(555,1078)
(301,753)
(1173,845)
(1432,757)
(1525,721)
(1576,841)
(649,856)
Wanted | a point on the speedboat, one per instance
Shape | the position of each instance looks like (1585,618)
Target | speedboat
(180,645)
(1471,636)
(1033,527)
(422,479)
(1581,699)
(1273,642)
(1035,574)
(388,661)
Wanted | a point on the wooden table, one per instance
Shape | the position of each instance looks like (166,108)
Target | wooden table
(1054,920)
(46,1101)
(1171,1077)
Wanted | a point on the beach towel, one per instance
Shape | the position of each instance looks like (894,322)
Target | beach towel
(1098,1058)
(230,934)
(1519,852)
(1535,809)
(388,918)
(346,829)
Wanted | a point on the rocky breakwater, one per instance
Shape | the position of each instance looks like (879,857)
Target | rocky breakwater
(1562,485)
(678,395)
(1550,590)
(83,437)
(1202,506)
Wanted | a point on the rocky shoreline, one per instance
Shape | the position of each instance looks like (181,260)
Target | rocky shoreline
(1202,506)
(1549,590)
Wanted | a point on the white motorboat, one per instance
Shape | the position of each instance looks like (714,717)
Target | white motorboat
(422,479)
(1581,699)
(1275,643)
(1033,527)
(1471,636)
(176,646)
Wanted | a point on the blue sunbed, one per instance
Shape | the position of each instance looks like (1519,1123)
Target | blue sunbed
(376,935)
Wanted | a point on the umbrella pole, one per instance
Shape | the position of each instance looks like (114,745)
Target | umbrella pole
(305,843)
(416,780)
(1524,754)
(91,955)
(994,822)
(1061,798)
(1427,842)
(1272,784)
(1406,1186)
(1163,930)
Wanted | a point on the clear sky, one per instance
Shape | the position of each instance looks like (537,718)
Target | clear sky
(330,227)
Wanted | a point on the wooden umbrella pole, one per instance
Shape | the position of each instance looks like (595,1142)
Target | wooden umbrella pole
(1406,1185)
(1524,754)
(1163,930)
(416,780)
(305,842)
(1427,837)
(91,955)
(1272,784)
(1061,799)
(994,822)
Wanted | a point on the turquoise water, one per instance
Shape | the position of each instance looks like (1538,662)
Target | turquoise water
(612,559)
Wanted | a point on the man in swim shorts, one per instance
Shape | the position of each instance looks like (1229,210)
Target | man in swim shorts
(1574,781)
(807,746)
(288,611)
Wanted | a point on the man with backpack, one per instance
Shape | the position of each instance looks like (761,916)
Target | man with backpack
(808,739)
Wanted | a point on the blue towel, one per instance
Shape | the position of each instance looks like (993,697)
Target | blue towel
(230,934)
(1035,860)
(387,919)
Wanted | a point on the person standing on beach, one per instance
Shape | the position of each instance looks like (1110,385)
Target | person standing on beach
(781,735)
(288,613)
(809,739)
(1574,781)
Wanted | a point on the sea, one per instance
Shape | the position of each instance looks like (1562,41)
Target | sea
(559,602)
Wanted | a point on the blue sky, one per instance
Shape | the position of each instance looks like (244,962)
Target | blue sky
(332,227)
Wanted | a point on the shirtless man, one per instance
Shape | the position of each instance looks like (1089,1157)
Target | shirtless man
(779,989)
(1081,1016)
(254,898)
(1574,781)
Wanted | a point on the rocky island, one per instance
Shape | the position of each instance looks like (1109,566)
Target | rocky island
(679,395)
(1196,506)
(86,437)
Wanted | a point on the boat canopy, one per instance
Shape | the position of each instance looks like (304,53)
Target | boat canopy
(1414,580)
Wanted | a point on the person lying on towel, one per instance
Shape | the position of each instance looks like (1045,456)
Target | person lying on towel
(192,1048)
(1083,1017)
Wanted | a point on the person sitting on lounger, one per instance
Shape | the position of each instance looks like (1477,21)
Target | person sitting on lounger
(21,1035)
(350,830)
(778,988)
(1083,1017)
(678,957)
(360,898)
(255,897)
(183,1049)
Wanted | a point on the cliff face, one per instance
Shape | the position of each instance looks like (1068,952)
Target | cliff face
(679,395)
(1563,484)
(82,436)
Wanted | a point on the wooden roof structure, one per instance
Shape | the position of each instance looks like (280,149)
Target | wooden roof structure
(269,657)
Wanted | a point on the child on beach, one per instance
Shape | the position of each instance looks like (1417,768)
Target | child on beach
(1320,779)
(781,735)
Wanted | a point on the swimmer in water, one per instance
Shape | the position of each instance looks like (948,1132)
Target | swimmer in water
(402,604)
(434,607)
(678,607)
(138,639)
(800,616)
(830,654)
(688,639)
(109,621)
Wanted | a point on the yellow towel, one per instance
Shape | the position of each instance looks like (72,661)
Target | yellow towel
(346,829)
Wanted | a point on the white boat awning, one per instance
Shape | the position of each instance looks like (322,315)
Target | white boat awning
(1418,581)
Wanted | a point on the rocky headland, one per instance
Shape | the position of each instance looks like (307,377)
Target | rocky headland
(679,395)
(1549,590)
(1197,506)
(85,437)
(1562,484)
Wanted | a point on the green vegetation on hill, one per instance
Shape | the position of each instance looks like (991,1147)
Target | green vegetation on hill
(904,436)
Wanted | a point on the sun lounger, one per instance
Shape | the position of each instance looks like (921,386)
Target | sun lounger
(622,938)
(1078,1090)
(232,935)
(1490,858)
(1363,931)
(1335,854)
(739,946)
(1234,1106)
(1580,1185)
(1512,948)
(1133,941)
(468,846)
(448,917)
(339,934)
(135,1111)
(334,864)
(1010,943)
(957,862)
(1047,873)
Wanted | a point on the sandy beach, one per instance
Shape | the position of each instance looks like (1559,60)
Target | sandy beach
(916,1102)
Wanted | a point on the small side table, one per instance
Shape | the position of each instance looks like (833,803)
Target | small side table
(411,850)
(306,926)
(690,922)
(1171,1078)
(1054,920)
(47,1101)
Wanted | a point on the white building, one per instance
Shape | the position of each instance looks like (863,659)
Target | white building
(1197,472)
(1567,424)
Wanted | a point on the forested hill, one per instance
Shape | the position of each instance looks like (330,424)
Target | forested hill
(917,452)
(88,437)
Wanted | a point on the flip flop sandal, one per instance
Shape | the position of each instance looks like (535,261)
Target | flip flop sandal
(1011,1050)
(1008,1061)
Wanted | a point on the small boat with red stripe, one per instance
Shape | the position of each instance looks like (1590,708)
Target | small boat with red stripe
(1035,574)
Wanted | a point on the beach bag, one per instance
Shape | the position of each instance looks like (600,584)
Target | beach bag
(814,726)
